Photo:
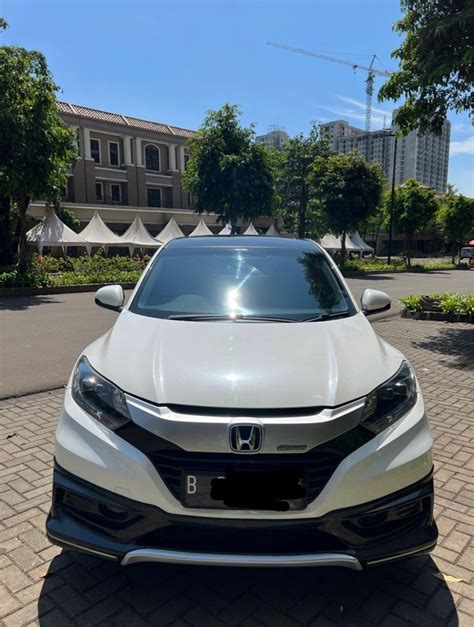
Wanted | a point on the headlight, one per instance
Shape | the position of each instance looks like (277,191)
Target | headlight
(98,397)
(391,401)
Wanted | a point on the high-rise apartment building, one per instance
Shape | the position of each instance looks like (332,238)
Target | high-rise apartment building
(275,138)
(422,157)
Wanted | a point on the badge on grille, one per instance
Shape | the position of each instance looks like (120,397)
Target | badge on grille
(246,438)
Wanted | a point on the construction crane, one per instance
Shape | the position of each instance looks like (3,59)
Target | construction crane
(369,81)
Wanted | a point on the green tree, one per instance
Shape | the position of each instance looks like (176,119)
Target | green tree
(415,209)
(36,147)
(372,226)
(349,191)
(68,217)
(293,170)
(227,173)
(436,70)
(456,220)
(3,23)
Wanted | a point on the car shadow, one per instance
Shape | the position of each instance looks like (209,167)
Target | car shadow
(20,303)
(454,345)
(85,590)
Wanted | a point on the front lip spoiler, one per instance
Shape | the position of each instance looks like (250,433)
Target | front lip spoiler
(217,559)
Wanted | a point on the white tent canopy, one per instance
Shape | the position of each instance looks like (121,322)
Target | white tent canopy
(169,232)
(251,230)
(358,241)
(272,232)
(97,233)
(227,230)
(137,236)
(201,229)
(330,242)
(51,231)
(350,245)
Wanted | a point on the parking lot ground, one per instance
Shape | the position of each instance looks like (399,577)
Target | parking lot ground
(42,584)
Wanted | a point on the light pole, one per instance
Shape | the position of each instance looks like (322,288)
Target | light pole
(392,198)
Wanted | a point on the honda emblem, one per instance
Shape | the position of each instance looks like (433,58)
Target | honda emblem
(245,438)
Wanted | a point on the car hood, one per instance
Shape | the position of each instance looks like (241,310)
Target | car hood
(244,364)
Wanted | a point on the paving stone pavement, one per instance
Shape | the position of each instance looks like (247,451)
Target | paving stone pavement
(42,584)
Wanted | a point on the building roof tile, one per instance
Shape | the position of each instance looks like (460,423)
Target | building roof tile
(123,120)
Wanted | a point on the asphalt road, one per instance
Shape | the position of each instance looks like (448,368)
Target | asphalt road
(41,336)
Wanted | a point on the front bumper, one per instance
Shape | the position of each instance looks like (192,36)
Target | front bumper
(88,518)
(144,460)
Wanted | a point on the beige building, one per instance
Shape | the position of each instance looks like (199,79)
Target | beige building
(128,167)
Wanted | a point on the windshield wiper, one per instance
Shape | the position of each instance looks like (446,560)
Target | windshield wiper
(231,318)
(328,316)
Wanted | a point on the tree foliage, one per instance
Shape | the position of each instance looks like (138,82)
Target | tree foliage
(293,169)
(227,173)
(436,70)
(3,23)
(349,191)
(414,210)
(36,147)
(456,220)
(68,217)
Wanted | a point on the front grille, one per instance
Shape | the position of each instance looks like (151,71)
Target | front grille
(239,412)
(317,468)
(264,541)
(318,464)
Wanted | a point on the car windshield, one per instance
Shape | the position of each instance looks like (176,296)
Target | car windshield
(219,282)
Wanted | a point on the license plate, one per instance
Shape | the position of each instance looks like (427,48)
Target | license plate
(261,490)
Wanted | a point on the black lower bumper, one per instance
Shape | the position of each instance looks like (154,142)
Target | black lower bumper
(88,518)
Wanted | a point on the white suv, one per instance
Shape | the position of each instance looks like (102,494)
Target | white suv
(242,411)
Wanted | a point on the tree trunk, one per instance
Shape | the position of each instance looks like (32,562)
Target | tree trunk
(343,247)
(5,234)
(302,213)
(454,249)
(407,250)
(302,221)
(23,203)
(376,242)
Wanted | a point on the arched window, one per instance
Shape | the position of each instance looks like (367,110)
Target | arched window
(152,158)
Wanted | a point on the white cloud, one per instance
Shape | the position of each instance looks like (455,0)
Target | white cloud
(353,114)
(362,105)
(462,147)
(461,128)
(460,175)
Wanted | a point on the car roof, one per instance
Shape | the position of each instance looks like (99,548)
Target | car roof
(247,241)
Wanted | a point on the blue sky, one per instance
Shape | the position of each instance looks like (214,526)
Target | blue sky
(172,61)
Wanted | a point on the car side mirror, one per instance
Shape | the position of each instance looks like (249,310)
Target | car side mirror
(110,297)
(375,301)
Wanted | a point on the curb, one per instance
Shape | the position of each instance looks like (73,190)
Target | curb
(437,316)
(8,292)
(355,273)
(41,390)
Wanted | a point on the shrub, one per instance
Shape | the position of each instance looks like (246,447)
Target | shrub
(50,271)
(457,303)
(413,303)
(448,303)
(371,265)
